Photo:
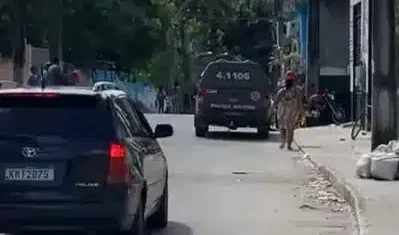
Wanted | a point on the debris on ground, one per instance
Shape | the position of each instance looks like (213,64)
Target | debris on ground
(319,193)
(306,206)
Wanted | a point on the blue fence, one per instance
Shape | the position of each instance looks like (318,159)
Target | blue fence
(302,12)
(143,92)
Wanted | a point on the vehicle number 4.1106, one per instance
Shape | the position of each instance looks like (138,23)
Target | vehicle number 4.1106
(239,76)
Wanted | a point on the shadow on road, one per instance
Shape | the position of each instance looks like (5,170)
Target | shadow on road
(242,136)
(173,228)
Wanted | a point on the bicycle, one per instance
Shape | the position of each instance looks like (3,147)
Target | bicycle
(358,124)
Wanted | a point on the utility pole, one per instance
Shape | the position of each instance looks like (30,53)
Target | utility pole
(279,34)
(184,52)
(19,40)
(313,50)
(384,85)
(212,30)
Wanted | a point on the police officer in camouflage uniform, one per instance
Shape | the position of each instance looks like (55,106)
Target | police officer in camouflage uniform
(289,103)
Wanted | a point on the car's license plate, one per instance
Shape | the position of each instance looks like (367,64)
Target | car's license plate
(29,174)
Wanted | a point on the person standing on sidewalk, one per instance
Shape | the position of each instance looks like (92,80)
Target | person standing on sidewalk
(177,98)
(160,99)
(54,72)
(34,78)
(289,103)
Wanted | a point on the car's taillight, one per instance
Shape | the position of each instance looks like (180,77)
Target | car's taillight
(202,93)
(117,170)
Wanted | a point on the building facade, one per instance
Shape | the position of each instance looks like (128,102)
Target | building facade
(324,38)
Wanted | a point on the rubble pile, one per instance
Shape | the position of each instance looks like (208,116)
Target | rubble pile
(321,193)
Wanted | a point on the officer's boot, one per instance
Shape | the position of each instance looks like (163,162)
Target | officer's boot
(290,139)
(283,138)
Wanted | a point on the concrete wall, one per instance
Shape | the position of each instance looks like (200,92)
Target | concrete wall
(355,79)
(6,71)
(33,56)
(334,37)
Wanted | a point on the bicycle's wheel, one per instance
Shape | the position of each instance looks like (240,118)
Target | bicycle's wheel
(357,127)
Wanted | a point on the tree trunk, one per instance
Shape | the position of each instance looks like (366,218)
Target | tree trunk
(56,31)
(212,27)
(18,41)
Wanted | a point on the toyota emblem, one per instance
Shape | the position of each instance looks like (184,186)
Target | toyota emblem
(28,152)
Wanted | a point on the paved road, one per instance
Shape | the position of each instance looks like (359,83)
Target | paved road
(206,198)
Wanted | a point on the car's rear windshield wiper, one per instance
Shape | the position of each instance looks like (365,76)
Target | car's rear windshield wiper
(19,138)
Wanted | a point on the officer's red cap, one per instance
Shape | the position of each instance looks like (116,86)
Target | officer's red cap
(290,75)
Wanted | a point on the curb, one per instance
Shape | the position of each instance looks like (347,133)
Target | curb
(347,191)
(347,124)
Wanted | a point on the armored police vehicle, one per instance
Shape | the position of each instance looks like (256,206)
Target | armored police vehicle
(233,94)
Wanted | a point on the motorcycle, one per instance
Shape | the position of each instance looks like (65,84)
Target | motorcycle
(337,112)
(327,110)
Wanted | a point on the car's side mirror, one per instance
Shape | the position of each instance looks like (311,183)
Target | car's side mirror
(163,130)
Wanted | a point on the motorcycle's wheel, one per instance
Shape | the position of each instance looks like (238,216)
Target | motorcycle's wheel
(338,116)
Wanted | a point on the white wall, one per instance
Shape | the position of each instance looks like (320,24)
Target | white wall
(365,50)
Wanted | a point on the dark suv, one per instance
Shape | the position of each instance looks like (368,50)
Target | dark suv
(79,160)
(233,94)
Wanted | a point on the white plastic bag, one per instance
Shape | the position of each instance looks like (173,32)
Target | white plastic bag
(363,166)
(382,148)
(393,146)
(384,167)
(377,154)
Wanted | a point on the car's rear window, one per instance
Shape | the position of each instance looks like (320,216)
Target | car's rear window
(234,75)
(70,117)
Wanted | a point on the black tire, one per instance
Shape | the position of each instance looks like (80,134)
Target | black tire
(138,227)
(159,219)
(200,128)
(356,128)
(263,132)
(200,132)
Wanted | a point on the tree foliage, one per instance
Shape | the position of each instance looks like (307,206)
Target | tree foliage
(140,34)
(123,31)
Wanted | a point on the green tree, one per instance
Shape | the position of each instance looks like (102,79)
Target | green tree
(127,32)
(220,15)
(13,29)
(130,33)
(20,22)
(122,31)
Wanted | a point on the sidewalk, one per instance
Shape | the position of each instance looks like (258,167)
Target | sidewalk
(376,203)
